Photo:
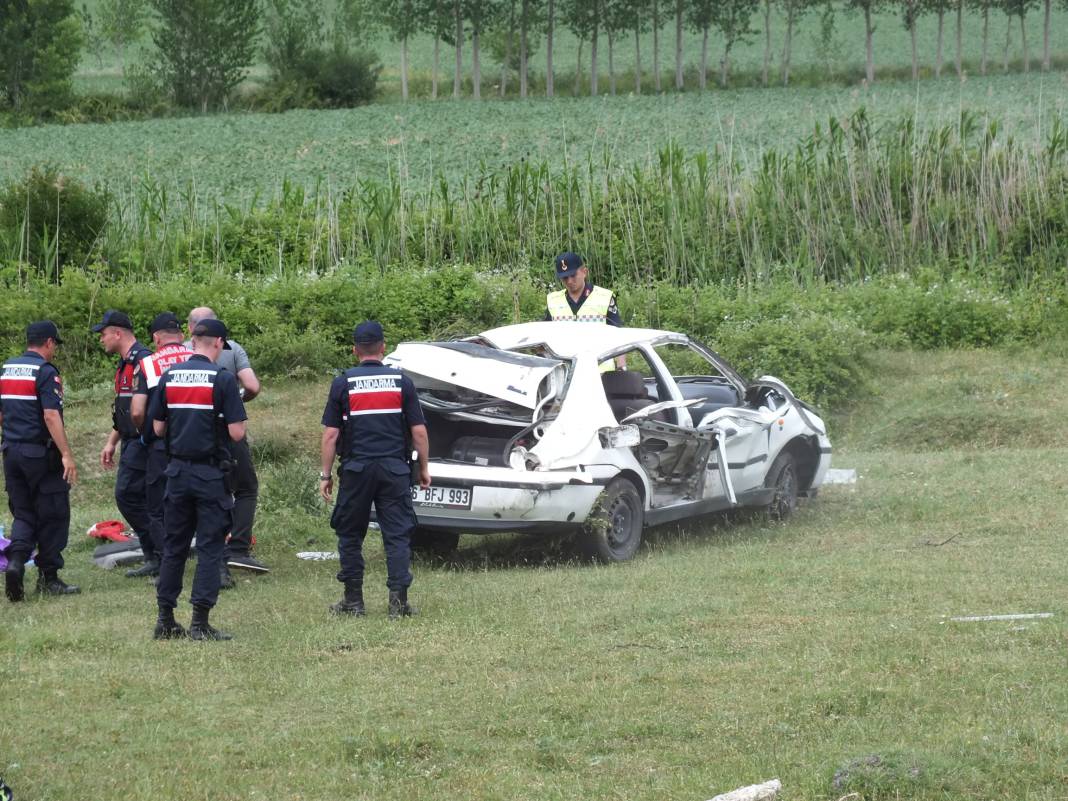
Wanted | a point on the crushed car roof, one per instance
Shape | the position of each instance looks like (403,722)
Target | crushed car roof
(570,339)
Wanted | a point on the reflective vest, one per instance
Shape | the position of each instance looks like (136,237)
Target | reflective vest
(375,426)
(125,382)
(153,366)
(22,381)
(193,422)
(593,310)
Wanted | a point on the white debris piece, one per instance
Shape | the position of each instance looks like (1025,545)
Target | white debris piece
(840,475)
(986,618)
(318,556)
(754,792)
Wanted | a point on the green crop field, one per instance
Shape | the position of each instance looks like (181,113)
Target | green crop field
(238,155)
(726,653)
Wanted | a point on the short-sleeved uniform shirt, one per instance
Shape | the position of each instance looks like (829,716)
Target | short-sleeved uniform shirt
(374,406)
(194,397)
(28,386)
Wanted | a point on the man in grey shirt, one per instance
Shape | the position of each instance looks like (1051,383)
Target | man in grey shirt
(246,484)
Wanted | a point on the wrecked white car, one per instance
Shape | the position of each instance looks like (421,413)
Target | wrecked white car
(552,426)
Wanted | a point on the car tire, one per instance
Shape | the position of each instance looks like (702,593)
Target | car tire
(613,531)
(436,543)
(782,477)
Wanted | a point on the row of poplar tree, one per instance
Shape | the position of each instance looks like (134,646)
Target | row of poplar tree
(601,24)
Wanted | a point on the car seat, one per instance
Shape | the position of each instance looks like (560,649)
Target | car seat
(626,392)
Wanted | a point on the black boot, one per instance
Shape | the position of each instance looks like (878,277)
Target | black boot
(16,569)
(52,584)
(200,629)
(226,581)
(149,569)
(351,602)
(398,605)
(167,628)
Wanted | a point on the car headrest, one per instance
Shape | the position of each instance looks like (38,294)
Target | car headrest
(623,384)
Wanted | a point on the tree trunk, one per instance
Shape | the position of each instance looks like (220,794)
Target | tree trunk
(986,36)
(458,74)
(637,57)
(960,38)
(1045,38)
(508,48)
(1008,41)
(578,71)
(611,65)
(550,20)
(1023,41)
(656,45)
(767,41)
(678,45)
(404,68)
(704,58)
(938,48)
(724,65)
(434,69)
(788,43)
(524,21)
(870,70)
(915,61)
(476,67)
(593,62)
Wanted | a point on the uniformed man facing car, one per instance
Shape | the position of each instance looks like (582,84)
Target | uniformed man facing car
(371,423)
(197,411)
(580,301)
(39,467)
(166,333)
(117,338)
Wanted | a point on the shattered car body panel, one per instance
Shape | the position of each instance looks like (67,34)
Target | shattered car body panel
(528,430)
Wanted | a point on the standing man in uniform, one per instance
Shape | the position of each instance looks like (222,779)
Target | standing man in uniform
(198,412)
(580,301)
(371,416)
(166,333)
(39,467)
(117,339)
(246,484)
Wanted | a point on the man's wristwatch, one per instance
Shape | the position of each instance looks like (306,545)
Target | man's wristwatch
(323,477)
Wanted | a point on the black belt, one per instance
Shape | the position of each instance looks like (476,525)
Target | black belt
(205,460)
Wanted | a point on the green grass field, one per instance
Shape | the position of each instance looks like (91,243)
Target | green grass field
(239,155)
(723,655)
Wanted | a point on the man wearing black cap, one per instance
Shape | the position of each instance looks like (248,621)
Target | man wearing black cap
(166,333)
(117,339)
(371,415)
(39,467)
(580,301)
(197,410)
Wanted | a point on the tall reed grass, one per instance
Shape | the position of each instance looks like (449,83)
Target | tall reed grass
(850,201)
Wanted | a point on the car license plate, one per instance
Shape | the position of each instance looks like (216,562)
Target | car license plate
(442,497)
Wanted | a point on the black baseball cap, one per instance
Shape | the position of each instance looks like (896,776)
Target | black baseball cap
(212,328)
(369,332)
(42,329)
(113,317)
(567,264)
(165,321)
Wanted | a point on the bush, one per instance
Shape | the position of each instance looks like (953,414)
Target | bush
(323,78)
(40,44)
(50,220)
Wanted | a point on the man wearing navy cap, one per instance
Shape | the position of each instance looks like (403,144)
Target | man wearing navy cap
(580,301)
(117,338)
(371,416)
(198,412)
(39,467)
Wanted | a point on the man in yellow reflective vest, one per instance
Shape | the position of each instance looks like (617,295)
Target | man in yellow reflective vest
(580,301)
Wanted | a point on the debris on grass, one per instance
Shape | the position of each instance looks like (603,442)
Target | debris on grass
(987,618)
(765,791)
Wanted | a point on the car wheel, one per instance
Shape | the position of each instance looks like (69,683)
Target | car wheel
(613,530)
(782,477)
(438,543)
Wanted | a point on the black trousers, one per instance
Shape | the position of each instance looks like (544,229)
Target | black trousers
(155,491)
(246,494)
(39,500)
(196,503)
(130,492)
(387,484)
